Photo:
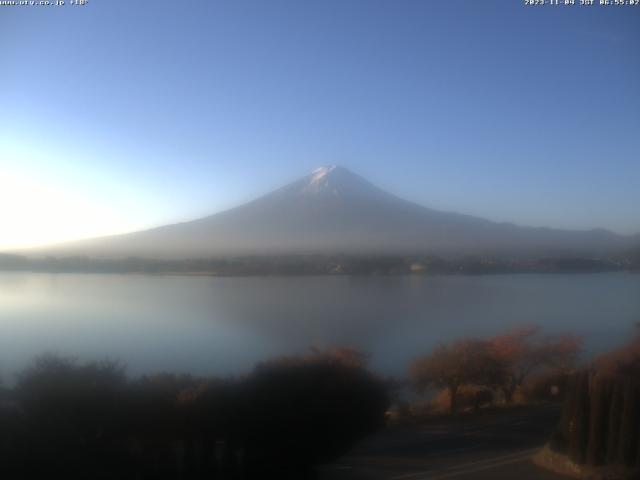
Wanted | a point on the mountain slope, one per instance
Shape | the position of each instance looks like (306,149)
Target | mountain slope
(333,210)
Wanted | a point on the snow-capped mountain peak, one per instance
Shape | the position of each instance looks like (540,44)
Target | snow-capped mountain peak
(336,181)
(322,180)
(322,172)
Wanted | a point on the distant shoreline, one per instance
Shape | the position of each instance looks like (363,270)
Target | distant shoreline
(318,265)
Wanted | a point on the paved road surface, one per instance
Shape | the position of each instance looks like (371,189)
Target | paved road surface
(495,446)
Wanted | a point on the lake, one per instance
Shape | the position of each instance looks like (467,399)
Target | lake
(222,326)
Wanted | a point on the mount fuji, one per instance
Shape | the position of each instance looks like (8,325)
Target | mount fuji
(335,211)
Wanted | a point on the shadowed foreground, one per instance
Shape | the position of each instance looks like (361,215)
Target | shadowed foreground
(280,421)
(494,445)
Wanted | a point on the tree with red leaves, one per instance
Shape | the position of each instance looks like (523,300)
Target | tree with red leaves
(461,363)
(524,351)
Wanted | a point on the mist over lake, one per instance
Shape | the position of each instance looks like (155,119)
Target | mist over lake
(222,326)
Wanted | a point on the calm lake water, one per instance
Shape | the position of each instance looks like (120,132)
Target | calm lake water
(223,326)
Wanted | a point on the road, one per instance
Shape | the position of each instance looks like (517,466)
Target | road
(494,445)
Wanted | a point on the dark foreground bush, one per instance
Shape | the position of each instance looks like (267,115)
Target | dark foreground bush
(87,421)
(303,414)
(68,411)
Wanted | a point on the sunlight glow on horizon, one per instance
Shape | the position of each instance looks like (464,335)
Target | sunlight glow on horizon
(36,213)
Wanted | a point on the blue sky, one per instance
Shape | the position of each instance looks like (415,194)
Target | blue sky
(121,115)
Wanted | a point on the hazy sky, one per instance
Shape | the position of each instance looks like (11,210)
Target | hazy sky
(125,114)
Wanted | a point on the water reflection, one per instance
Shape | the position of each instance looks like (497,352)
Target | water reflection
(224,325)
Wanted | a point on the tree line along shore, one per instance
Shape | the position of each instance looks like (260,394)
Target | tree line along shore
(322,265)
